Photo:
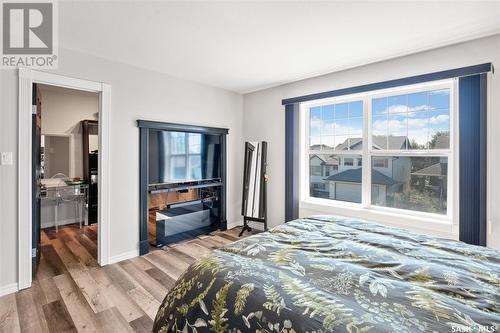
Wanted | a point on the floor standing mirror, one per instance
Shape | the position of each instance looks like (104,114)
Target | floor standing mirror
(254,202)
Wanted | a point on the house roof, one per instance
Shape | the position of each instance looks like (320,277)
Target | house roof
(327,159)
(442,141)
(319,147)
(379,142)
(438,169)
(350,143)
(355,175)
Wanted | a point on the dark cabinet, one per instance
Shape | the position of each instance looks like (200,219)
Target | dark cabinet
(90,131)
(182,182)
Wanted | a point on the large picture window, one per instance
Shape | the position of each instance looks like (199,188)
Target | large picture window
(407,158)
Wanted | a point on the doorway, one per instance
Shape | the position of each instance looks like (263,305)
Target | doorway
(65,169)
(29,142)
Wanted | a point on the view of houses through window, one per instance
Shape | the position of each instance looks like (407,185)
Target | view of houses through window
(399,124)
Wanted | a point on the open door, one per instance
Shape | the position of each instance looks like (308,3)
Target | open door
(36,170)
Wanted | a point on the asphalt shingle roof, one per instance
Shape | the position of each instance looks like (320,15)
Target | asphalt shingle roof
(379,142)
(438,169)
(355,175)
(327,159)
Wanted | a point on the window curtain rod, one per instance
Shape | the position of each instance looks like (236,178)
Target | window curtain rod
(442,75)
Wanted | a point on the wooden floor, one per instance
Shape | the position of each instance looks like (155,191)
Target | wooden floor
(71,293)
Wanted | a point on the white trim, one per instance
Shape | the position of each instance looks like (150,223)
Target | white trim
(26,78)
(50,224)
(123,256)
(408,89)
(366,171)
(8,289)
(234,224)
(104,181)
(24,178)
(252,224)
(419,224)
(447,224)
(62,81)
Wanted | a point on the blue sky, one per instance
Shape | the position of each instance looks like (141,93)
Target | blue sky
(417,115)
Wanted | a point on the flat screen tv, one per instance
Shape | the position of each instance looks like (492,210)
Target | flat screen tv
(176,157)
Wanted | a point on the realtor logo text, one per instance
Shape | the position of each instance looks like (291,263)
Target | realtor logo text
(29,34)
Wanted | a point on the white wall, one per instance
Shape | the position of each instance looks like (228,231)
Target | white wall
(264,116)
(136,94)
(62,112)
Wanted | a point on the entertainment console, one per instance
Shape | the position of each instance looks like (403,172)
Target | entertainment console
(182,182)
(184,210)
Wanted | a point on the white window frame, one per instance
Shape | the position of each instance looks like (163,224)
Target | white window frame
(443,224)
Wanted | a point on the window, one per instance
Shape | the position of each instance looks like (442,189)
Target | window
(408,132)
(380,162)
(336,126)
(319,186)
(315,170)
(417,183)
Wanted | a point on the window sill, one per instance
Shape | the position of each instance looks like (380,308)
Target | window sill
(421,223)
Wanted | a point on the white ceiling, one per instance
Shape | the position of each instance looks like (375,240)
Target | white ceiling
(247,46)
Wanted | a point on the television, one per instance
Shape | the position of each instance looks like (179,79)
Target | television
(176,157)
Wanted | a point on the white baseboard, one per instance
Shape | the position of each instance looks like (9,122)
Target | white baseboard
(50,224)
(123,256)
(233,224)
(255,225)
(8,289)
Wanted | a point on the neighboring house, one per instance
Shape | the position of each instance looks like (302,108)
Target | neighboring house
(338,177)
(346,186)
(434,177)
(321,166)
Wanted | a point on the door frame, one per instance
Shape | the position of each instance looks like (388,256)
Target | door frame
(26,79)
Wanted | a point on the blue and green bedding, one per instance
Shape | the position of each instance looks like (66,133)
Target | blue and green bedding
(335,274)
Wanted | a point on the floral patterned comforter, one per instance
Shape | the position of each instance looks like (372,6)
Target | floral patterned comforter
(334,274)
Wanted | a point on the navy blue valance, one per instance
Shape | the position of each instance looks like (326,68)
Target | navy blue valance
(442,75)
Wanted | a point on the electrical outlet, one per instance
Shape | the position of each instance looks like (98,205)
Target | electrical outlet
(6,158)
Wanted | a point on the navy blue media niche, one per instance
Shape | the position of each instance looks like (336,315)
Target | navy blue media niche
(183,182)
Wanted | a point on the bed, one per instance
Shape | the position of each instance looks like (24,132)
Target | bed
(334,274)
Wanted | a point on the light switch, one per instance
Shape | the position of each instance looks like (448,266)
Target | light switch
(6,158)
